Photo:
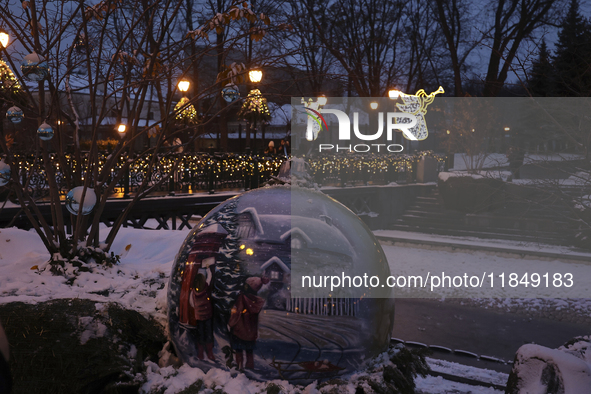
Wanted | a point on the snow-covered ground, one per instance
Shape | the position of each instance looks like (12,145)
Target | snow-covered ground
(139,282)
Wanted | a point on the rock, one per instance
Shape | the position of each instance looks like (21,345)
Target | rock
(541,370)
(79,346)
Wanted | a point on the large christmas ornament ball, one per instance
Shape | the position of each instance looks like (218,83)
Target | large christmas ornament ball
(15,114)
(230,93)
(45,132)
(74,197)
(4,173)
(35,67)
(230,299)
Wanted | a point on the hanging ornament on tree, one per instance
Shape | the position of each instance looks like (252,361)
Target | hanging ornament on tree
(35,67)
(4,173)
(45,132)
(74,197)
(230,298)
(230,93)
(15,114)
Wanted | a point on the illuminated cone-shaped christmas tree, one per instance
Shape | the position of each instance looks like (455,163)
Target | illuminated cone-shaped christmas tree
(10,88)
(255,107)
(185,112)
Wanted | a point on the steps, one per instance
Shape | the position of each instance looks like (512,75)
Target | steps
(517,221)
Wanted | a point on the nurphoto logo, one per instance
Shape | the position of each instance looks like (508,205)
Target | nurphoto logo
(410,121)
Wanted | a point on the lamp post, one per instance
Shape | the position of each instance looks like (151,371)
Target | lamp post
(393,94)
(4,38)
(255,76)
(184,85)
(121,129)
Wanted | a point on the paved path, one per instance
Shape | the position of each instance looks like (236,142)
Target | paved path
(478,330)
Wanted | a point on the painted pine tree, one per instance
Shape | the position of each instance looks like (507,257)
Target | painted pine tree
(229,276)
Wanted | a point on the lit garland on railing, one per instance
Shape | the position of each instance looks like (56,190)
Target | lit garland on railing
(231,170)
(376,168)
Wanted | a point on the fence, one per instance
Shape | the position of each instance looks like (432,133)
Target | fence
(179,172)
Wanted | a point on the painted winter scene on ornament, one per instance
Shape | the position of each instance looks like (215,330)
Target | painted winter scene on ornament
(230,301)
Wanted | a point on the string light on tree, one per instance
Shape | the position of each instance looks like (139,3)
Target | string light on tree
(8,81)
(255,107)
(185,111)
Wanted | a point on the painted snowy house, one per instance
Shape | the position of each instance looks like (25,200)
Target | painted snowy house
(276,271)
(209,240)
(274,241)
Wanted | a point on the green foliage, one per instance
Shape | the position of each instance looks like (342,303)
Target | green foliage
(398,376)
(541,81)
(571,61)
(80,259)
(194,388)
(407,365)
(273,388)
(47,356)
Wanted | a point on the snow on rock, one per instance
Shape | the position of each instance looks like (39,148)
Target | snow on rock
(481,374)
(169,380)
(91,329)
(444,176)
(539,369)
(139,282)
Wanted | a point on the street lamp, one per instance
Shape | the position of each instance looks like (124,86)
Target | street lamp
(4,37)
(255,76)
(184,85)
(394,94)
(322,100)
(373,105)
(121,129)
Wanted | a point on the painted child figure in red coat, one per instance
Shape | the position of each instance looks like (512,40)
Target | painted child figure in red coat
(199,299)
(244,321)
(196,313)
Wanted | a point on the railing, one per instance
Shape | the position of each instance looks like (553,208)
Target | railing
(180,172)
(184,172)
(356,170)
